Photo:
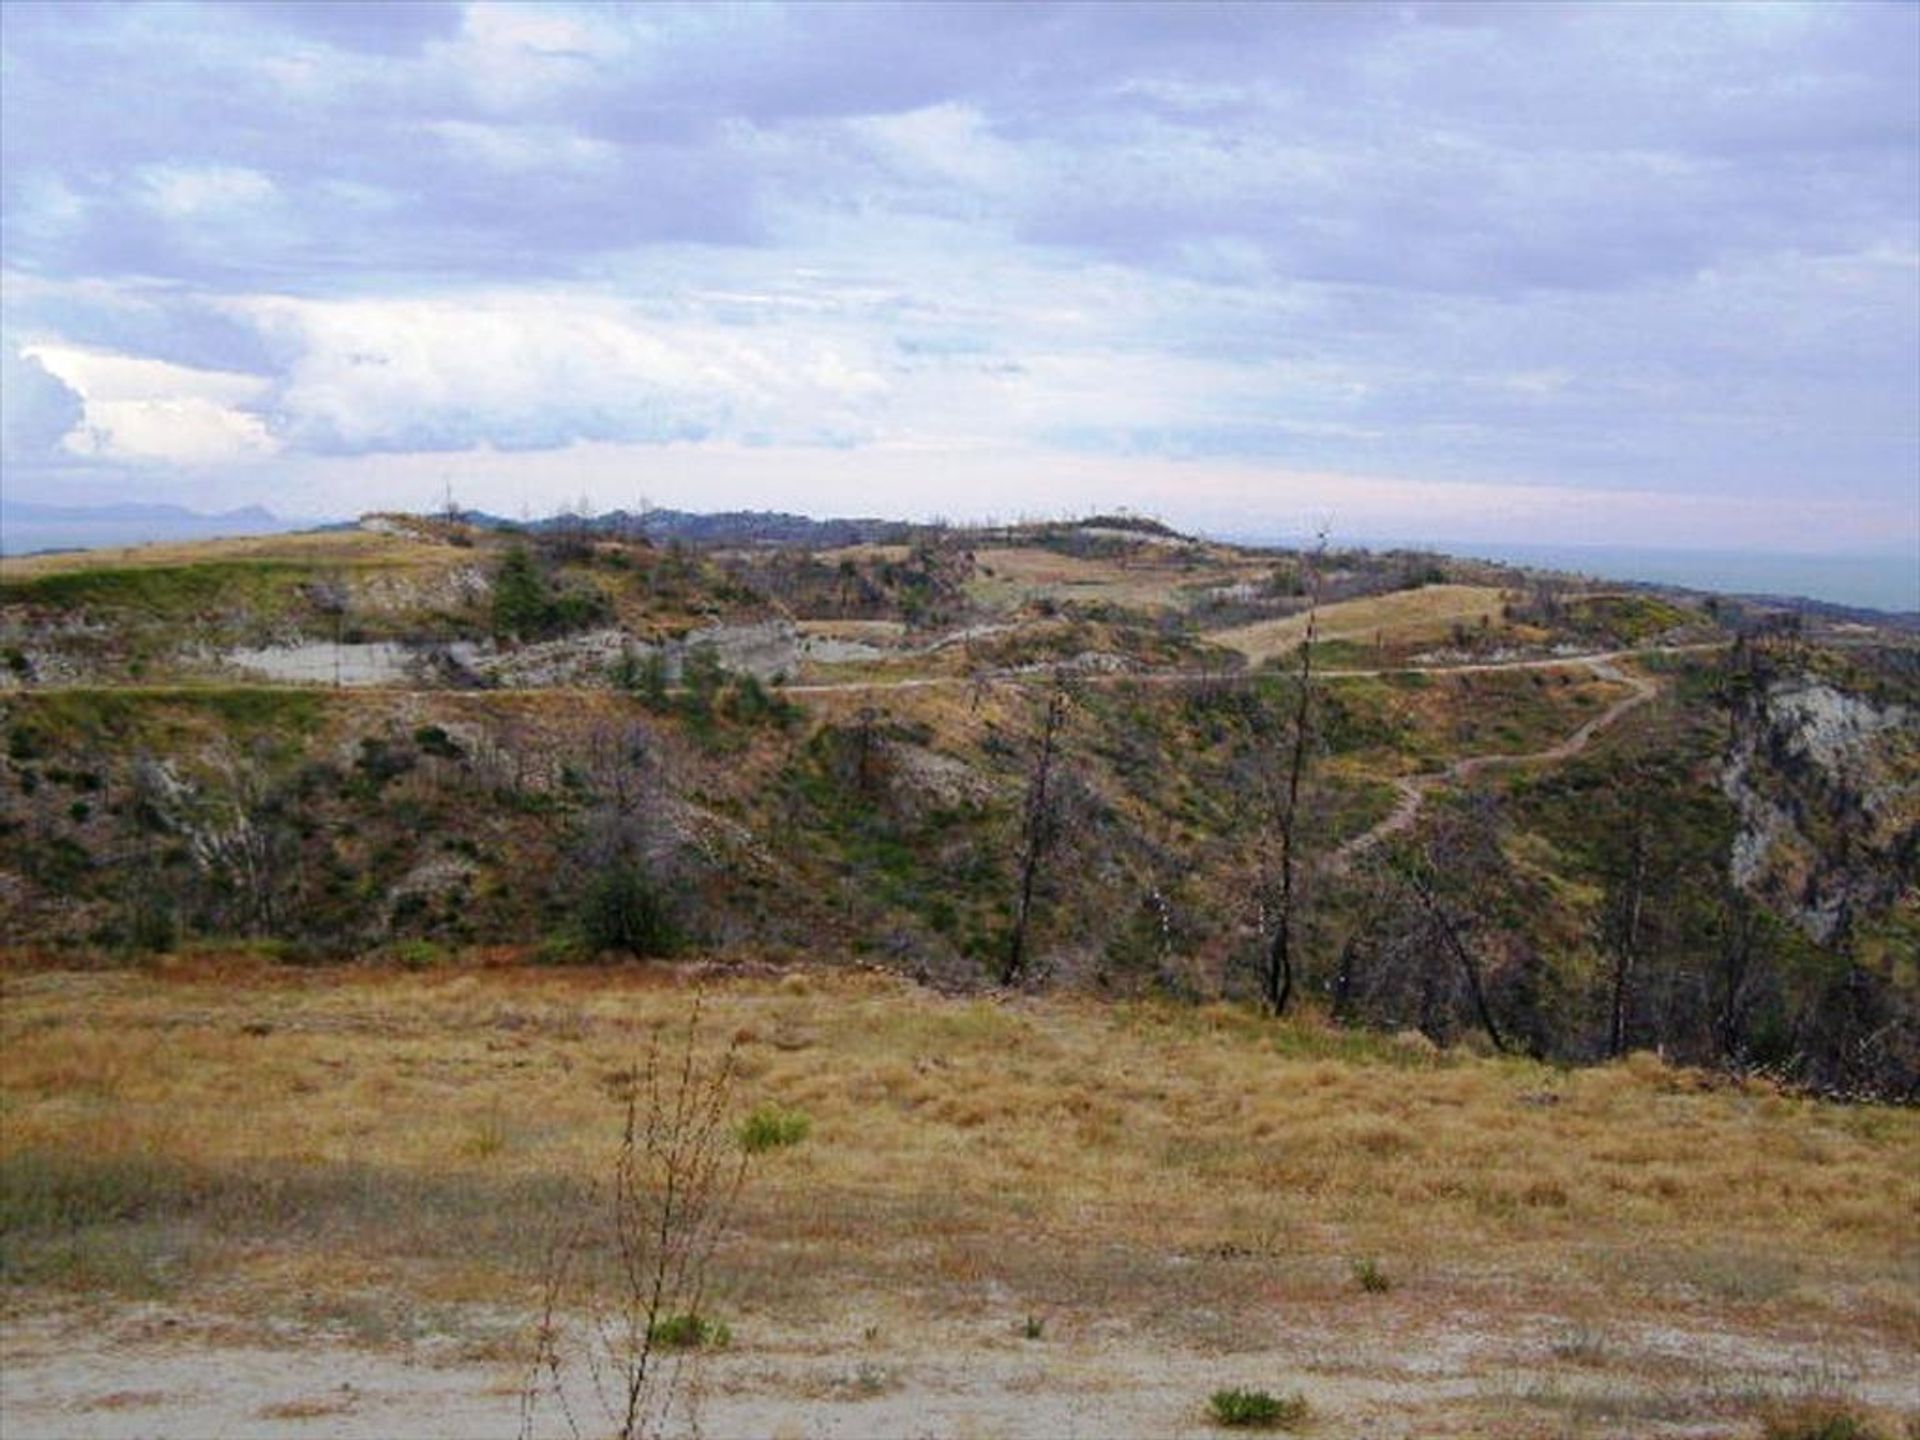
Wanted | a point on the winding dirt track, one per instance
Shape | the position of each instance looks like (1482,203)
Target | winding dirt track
(1415,788)
(1600,661)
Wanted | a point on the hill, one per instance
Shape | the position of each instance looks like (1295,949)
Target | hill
(349,742)
(356,888)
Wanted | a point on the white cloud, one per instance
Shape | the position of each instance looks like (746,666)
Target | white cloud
(137,409)
(518,148)
(512,55)
(193,192)
(37,409)
(538,369)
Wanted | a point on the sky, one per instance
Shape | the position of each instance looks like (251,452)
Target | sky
(1610,274)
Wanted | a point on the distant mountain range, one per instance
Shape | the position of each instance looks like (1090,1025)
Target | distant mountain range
(26,528)
(727,527)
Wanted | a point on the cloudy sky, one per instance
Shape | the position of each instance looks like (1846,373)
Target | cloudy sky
(1454,271)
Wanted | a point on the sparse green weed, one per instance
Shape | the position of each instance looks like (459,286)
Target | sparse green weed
(689,1331)
(1370,1277)
(770,1127)
(1258,1410)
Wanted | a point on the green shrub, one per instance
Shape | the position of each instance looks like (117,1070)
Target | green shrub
(623,910)
(434,740)
(527,606)
(770,1128)
(417,954)
(1258,1410)
(689,1332)
(1368,1275)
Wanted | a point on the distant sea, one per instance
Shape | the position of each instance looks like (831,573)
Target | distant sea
(26,528)
(1884,581)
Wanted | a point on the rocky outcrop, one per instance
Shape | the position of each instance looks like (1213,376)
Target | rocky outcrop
(1827,788)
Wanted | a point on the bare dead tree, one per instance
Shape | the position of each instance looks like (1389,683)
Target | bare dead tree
(633,1265)
(235,828)
(1629,904)
(624,892)
(1449,928)
(1040,826)
(1284,804)
(1436,884)
(1741,966)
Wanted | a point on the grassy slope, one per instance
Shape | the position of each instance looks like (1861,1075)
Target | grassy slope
(1427,613)
(388,1153)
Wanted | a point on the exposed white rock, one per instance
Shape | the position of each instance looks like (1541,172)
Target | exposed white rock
(1826,725)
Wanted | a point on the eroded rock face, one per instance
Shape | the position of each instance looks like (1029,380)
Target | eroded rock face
(1827,787)
(763,650)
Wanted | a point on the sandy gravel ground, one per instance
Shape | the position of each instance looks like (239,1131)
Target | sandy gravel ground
(150,1373)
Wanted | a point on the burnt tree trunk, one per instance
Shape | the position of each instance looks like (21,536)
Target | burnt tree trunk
(1037,833)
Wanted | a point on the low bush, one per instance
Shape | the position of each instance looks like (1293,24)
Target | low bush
(770,1128)
(1368,1275)
(1258,1410)
(689,1331)
(623,909)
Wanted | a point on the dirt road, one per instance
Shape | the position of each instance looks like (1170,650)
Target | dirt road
(1414,789)
(1395,1371)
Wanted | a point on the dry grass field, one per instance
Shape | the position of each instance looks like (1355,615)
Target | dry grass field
(1425,614)
(1148,578)
(229,1190)
(347,549)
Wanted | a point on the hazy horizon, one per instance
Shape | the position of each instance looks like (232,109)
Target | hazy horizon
(1519,274)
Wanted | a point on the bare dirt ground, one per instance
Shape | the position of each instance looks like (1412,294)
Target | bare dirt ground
(144,1371)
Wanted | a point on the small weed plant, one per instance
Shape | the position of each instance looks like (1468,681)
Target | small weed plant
(1370,1277)
(1258,1410)
(771,1128)
(690,1331)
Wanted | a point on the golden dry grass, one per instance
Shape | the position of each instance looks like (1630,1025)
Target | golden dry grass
(1174,1171)
(347,549)
(1147,578)
(1145,1120)
(1405,616)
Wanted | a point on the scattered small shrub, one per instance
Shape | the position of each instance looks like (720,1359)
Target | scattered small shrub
(689,1331)
(434,740)
(622,909)
(1034,1329)
(770,1128)
(1820,1418)
(417,954)
(1258,1410)
(1368,1275)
